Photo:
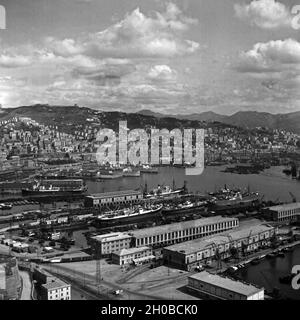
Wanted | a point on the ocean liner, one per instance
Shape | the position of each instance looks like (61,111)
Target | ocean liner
(128,216)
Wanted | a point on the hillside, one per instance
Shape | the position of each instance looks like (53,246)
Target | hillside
(246,119)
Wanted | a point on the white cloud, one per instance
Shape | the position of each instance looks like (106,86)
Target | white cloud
(137,35)
(162,73)
(272,56)
(14,61)
(266,14)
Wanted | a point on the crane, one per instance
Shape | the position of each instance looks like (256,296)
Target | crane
(233,250)
(246,245)
(217,255)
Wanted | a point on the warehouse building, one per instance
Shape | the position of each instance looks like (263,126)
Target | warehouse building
(285,212)
(109,243)
(183,231)
(188,255)
(135,256)
(113,198)
(216,287)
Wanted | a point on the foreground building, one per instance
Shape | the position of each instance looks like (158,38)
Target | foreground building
(135,256)
(183,231)
(285,212)
(113,198)
(213,286)
(50,287)
(193,253)
(163,235)
(109,243)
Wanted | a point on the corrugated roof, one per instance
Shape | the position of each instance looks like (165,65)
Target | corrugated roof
(288,206)
(227,283)
(114,194)
(200,244)
(180,226)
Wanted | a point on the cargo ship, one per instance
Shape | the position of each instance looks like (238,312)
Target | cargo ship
(163,192)
(233,200)
(183,208)
(56,187)
(128,216)
(148,169)
(128,172)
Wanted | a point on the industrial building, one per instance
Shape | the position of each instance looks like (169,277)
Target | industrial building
(193,253)
(216,287)
(113,198)
(135,256)
(183,231)
(107,244)
(285,212)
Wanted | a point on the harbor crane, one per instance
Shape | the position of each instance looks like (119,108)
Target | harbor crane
(217,255)
(233,249)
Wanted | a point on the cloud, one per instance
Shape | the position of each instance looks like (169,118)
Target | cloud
(14,61)
(137,35)
(162,73)
(272,56)
(266,14)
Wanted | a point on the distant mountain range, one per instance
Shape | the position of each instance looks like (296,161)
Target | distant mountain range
(70,118)
(245,119)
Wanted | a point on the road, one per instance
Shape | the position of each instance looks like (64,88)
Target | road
(27,286)
(107,287)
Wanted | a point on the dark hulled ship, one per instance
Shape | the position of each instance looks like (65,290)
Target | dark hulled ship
(56,187)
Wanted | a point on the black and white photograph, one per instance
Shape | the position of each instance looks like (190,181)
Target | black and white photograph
(150,150)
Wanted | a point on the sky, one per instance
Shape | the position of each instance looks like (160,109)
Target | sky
(173,57)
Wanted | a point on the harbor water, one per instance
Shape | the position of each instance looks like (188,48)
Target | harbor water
(272,183)
(267,273)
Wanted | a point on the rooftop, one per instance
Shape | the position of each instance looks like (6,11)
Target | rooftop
(55,284)
(227,283)
(125,252)
(180,226)
(111,236)
(114,194)
(200,244)
(288,206)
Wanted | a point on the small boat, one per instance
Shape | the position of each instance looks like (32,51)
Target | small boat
(286,279)
(281,254)
(5,206)
(255,261)
(271,255)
